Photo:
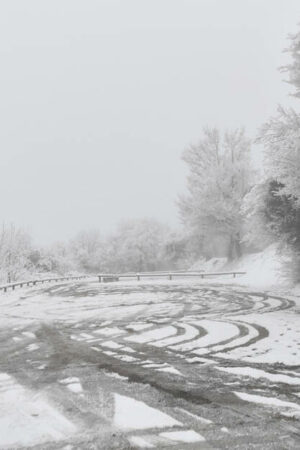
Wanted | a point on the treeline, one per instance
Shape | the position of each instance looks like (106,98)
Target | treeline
(135,245)
(232,208)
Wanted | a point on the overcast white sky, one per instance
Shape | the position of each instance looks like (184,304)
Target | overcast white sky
(99,98)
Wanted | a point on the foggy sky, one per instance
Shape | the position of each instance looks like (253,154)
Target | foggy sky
(99,98)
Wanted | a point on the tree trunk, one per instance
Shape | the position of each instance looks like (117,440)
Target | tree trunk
(234,247)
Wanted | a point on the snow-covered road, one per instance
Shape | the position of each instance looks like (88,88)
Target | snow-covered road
(149,365)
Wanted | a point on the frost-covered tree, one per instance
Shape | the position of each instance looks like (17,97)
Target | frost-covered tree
(86,250)
(137,245)
(293,69)
(272,208)
(256,228)
(56,259)
(219,177)
(15,248)
(281,139)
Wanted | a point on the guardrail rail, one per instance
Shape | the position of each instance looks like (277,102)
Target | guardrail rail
(12,286)
(108,277)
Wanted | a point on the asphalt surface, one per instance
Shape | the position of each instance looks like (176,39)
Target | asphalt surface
(147,365)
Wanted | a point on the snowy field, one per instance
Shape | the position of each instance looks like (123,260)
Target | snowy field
(154,364)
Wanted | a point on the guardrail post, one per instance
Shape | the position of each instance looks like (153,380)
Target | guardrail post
(138,277)
(234,275)
(100,278)
(170,276)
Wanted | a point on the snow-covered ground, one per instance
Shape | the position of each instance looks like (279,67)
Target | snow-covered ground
(149,364)
(265,270)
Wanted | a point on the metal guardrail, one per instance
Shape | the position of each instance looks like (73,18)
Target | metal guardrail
(12,286)
(106,277)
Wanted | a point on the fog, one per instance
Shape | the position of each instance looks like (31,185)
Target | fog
(99,99)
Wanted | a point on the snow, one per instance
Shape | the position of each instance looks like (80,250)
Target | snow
(170,370)
(86,336)
(152,335)
(109,331)
(187,436)
(128,349)
(258,373)
(116,376)
(139,441)
(32,347)
(111,344)
(190,333)
(69,380)
(126,358)
(217,331)
(252,333)
(196,417)
(29,334)
(75,387)
(138,326)
(131,414)
(28,419)
(280,346)
(290,409)
(264,269)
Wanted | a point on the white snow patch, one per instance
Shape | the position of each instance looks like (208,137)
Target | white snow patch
(131,414)
(32,347)
(29,334)
(294,409)
(263,268)
(75,387)
(69,380)
(217,331)
(190,333)
(86,336)
(258,373)
(27,419)
(126,358)
(109,331)
(138,326)
(139,441)
(183,436)
(280,346)
(197,359)
(128,350)
(116,375)
(170,370)
(111,344)
(196,417)
(252,333)
(152,335)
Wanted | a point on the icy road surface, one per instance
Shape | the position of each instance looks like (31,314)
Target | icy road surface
(181,365)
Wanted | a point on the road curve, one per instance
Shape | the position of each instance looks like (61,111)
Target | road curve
(149,365)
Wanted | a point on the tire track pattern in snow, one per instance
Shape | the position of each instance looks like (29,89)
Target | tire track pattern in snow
(199,345)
